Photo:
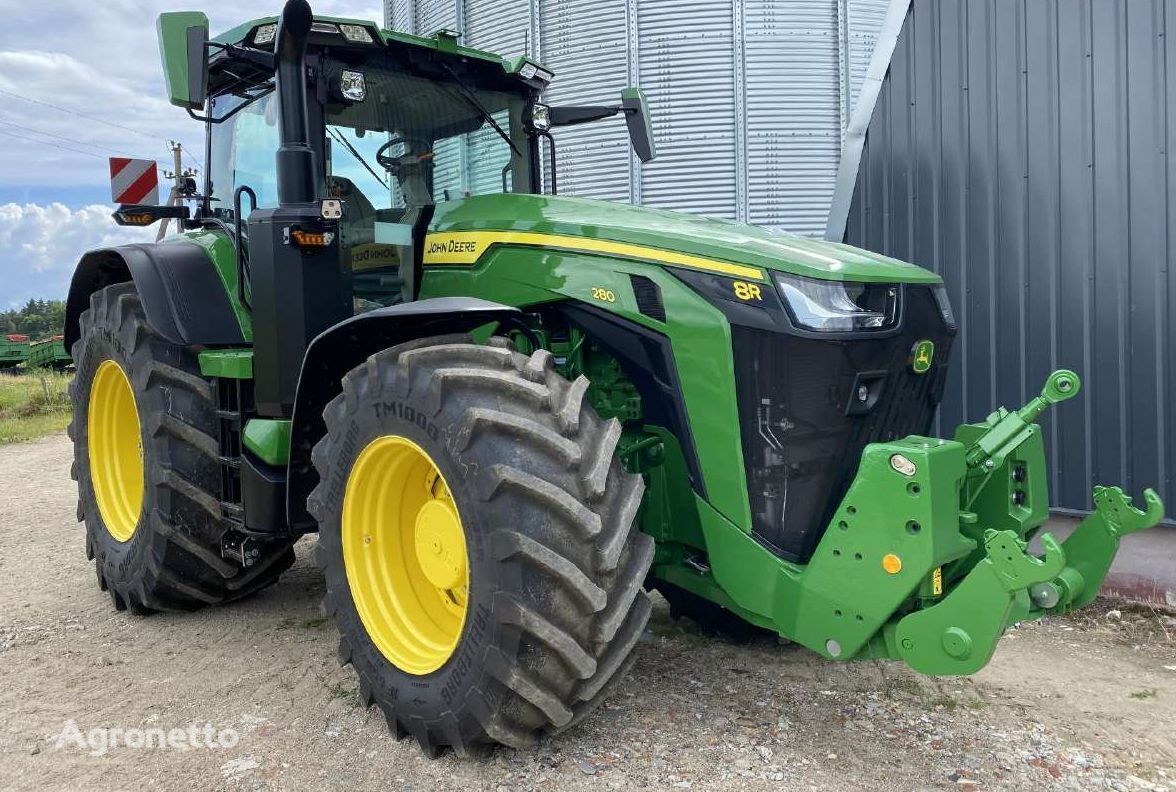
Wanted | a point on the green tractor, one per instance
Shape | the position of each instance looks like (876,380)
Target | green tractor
(508,414)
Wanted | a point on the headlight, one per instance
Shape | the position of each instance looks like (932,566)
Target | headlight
(944,304)
(838,306)
(540,117)
(353,86)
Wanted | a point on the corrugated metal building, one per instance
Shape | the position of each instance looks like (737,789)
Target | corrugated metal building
(750,99)
(1018,147)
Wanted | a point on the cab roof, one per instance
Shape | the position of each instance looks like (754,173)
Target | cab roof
(442,41)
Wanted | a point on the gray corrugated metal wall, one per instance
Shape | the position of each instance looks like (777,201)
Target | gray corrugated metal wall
(750,98)
(1020,148)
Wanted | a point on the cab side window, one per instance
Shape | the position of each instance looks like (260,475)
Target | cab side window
(243,151)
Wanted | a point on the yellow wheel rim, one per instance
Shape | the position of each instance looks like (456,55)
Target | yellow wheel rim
(116,450)
(404,553)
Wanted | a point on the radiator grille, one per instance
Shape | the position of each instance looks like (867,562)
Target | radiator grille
(809,406)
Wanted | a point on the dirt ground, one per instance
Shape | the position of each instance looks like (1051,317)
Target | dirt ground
(1082,703)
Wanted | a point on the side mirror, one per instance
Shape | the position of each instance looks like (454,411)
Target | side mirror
(183,46)
(636,109)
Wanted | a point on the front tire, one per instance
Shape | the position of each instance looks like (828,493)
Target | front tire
(551,605)
(146,460)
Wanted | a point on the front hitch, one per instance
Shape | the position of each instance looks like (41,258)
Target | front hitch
(1092,547)
(1007,584)
(926,558)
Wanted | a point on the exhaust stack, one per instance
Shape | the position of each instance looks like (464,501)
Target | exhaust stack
(297,292)
(295,159)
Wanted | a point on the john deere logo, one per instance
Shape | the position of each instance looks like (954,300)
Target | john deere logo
(921,356)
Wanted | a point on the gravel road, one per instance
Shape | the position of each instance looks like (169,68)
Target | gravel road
(1082,703)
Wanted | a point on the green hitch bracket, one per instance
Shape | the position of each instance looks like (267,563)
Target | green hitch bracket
(1007,584)
(959,635)
(1007,429)
(1093,545)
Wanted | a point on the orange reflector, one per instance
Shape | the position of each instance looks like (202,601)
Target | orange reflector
(892,563)
(137,219)
(308,239)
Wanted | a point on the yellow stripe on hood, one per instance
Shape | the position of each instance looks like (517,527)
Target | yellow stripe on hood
(465,248)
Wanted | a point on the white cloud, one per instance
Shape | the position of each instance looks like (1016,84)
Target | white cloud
(102,60)
(40,246)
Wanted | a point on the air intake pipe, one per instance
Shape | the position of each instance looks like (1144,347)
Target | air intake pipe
(296,160)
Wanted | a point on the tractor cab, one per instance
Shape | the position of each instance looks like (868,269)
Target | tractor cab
(397,124)
(372,130)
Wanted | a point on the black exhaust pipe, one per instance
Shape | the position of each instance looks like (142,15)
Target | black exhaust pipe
(296,161)
(297,292)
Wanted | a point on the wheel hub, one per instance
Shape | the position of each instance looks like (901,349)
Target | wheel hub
(440,545)
(404,553)
(115,449)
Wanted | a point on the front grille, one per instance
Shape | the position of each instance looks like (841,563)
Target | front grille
(808,406)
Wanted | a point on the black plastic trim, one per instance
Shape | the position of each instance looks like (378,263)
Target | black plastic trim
(183,296)
(263,496)
(647,358)
(343,347)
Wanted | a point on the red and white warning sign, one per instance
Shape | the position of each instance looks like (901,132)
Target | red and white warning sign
(134,181)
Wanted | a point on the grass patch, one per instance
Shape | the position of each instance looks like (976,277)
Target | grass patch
(339,690)
(902,685)
(314,622)
(33,405)
(945,701)
(1143,694)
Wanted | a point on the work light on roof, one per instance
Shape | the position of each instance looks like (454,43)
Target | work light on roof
(265,34)
(532,71)
(357,34)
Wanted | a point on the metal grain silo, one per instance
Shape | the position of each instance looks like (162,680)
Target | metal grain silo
(751,98)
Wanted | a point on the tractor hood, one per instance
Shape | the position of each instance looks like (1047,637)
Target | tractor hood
(682,237)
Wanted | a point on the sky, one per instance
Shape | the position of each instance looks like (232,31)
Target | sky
(80,82)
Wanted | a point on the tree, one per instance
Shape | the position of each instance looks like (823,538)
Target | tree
(37,319)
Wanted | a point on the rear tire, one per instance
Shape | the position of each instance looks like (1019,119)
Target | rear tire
(555,604)
(169,558)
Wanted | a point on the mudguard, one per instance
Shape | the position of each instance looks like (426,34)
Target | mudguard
(344,346)
(183,295)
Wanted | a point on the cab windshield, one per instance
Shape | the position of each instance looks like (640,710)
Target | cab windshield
(413,141)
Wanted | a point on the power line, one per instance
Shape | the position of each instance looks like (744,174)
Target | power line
(78,114)
(36,131)
(88,117)
(49,143)
(199,163)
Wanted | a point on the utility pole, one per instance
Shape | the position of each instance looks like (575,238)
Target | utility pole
(183,184)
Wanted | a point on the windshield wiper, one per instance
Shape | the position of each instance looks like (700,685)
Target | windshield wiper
(472,99)
(334,133)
